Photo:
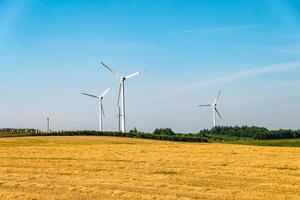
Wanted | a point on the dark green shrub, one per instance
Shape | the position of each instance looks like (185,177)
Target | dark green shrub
(163,131)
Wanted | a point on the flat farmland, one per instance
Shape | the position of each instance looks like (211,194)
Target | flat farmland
(88,167)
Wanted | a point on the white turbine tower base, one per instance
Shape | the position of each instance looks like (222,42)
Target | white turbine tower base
(101,110)
(214,109)
(121,98)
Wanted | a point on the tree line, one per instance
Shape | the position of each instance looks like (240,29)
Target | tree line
(131,134)
(254,132)
(19,130)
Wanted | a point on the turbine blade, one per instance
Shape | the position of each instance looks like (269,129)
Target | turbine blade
(119,94)
(134,74)
(216,100)
(90,95)
(105,92)
(102,110)
(218,112)
(111,70)
(118,115)
(204,105)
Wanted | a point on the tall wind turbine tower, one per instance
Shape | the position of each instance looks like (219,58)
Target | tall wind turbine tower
(101,110)
(122,92)
(214,108)
(119,118)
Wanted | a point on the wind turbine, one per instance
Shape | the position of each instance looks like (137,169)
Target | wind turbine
(122,92)
(101,110)
(214,108)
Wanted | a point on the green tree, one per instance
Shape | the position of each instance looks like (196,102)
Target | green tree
(163,131)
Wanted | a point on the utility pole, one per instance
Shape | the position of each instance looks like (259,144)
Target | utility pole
(48,125)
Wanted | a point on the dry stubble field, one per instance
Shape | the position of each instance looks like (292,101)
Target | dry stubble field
(122,168)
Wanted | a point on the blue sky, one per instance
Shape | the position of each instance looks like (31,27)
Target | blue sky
(50,52)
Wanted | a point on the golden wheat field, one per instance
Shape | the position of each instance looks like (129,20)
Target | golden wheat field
(122,168)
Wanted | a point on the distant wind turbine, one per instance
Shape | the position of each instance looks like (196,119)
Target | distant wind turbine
(122,92)
(214,108)
(101,110)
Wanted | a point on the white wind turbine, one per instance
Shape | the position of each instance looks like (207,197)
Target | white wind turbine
(122,92)
(101,110)
(214,108)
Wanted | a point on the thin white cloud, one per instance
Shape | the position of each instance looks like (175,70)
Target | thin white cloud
(223,28)
(289,50)
(235,76)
